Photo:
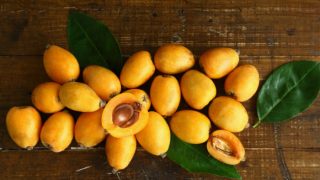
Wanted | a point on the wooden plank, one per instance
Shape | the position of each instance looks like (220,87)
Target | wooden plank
(303,164)
(257,28)
(260,163)
(92,165)
(268,34)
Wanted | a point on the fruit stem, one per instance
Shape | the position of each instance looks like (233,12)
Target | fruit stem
(48,46)
(114,171)
(117,174)
(106,132)
(83,146)
(29,148)
(247,126)
(164,155)
(102,103)
(238,51)
(243,159)
(47,145)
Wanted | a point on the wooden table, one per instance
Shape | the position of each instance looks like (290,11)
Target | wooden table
(268,33)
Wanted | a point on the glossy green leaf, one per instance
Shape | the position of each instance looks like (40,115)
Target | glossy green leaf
(195,158)
(289,90)
(92,42)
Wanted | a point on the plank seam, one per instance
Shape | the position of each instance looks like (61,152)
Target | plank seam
(279,153)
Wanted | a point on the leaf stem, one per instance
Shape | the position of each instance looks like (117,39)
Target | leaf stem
(256,124)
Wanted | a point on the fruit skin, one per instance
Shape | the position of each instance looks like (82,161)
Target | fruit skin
(219,62)
(57,131)
(103,81)
(80,97)
(238,152)
(173,59)
(88,130)
(117,131)
(165,94)
(60,65)
(24,125)
(197,89)
(242,83)
(45,97)
(190,126)
(137,70)
(155,137)
(142,97)
(120,151)
(228,114)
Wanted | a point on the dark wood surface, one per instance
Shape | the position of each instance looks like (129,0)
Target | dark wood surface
(268,34)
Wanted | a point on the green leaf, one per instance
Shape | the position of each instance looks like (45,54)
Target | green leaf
(289,90)
(195,158)
(92,42)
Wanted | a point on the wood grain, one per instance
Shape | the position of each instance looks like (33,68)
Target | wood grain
(267,33)
(91,164)
(257,28)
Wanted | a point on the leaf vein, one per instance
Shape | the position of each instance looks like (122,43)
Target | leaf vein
(285,94)
(90,40)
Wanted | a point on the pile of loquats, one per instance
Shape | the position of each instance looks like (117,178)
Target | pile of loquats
(124,117)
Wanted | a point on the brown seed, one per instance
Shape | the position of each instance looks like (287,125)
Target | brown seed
(221,145)
(137,121)
(126,114)
(225,147)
